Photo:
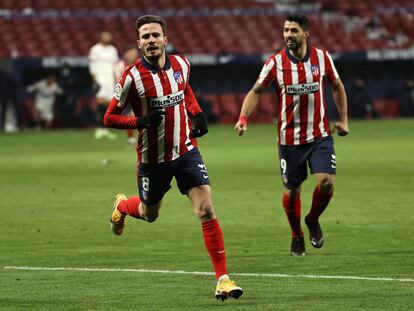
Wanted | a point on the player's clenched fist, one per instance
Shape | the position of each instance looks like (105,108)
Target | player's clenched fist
(341,128)
(241,125)
(200,125)
(152,119)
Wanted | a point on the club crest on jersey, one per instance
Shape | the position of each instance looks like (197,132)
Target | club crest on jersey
(315,69)
(178,76)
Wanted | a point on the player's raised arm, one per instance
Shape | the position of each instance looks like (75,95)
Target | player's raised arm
(190,101)
(124,93)
(113,118)
(249,104)
(339,95)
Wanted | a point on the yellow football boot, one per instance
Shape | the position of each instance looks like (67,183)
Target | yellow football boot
(227,288)
(118,219)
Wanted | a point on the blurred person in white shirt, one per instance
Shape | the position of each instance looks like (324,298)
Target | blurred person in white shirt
(46,91)
(103,57)
(129,58)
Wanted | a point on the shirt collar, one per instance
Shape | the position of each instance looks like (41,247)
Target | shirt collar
(295,60)
(154,69)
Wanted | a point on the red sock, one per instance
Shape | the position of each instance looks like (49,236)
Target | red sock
(292,209)
(130,207)
(213,239)
(320,201)
(130,133)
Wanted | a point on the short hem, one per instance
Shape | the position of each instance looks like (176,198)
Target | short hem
(186,190)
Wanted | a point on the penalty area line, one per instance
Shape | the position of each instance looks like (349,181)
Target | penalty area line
(265,275)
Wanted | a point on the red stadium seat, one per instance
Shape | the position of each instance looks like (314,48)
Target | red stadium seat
(213,98)
(204,34)
(266,109)
(230,106)
(387,108)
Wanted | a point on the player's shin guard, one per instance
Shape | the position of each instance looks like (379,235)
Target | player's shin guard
(130,207)
(213,239)
(292,209)
(320,201)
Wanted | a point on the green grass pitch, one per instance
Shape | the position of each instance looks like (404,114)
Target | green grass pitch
(56,196)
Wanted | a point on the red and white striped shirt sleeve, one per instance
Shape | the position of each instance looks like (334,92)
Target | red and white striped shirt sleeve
(331,72)
(191,103)
(267,74)
(123,94)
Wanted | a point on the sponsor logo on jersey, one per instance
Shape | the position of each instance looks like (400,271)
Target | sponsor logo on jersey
(315,69)
(299,89)
(118,91)
(167,101)
(178,76)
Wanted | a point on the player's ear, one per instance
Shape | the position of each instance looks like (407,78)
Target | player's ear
(139,44)
(165,40)
(307,33)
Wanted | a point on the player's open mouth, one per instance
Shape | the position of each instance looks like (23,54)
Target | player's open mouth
(291,43)
(152,48)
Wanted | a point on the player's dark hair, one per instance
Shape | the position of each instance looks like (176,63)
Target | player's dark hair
(302,20)
(147,19)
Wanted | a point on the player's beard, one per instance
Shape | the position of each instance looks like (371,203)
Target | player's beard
(155,57)
(295,45)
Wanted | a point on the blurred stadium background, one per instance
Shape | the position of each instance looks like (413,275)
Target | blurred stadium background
(227,41)
(57,186)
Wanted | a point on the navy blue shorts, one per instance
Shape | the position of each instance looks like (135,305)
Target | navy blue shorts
(318,155)
(154,180)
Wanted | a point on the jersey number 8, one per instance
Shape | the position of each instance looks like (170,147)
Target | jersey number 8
(145,183)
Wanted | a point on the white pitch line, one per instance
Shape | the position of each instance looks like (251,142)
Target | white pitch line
(269,275)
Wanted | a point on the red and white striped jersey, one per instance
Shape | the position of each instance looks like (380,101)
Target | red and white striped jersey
(147,88)
(302,115)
